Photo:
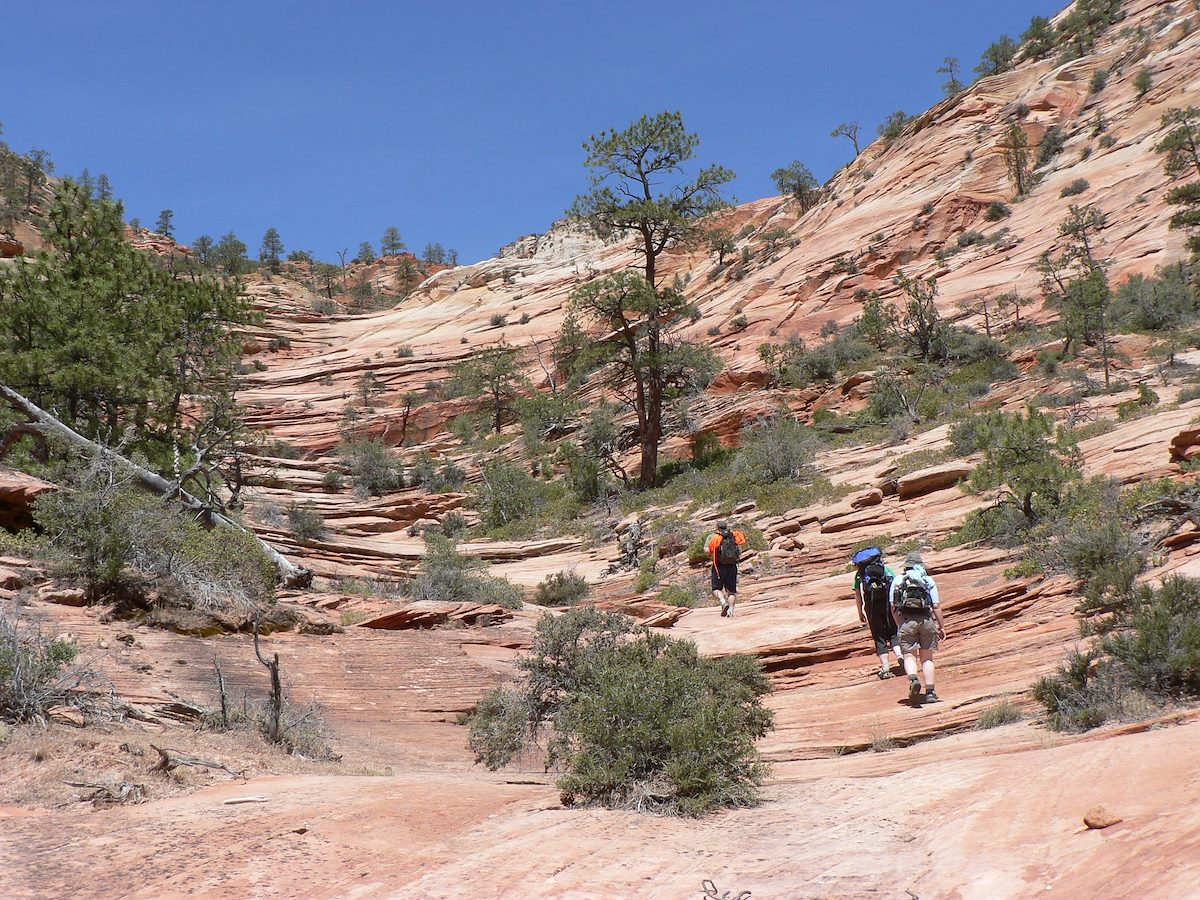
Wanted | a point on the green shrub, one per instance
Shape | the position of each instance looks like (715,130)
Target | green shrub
(307,524)
(1143,82)
(498,320)
(404,351)
(1075,188)
(561,589)
(103,529)
(35,671)
(1099,80)
(508,494)
(448,575)
(997,210)
(1131,409)
(1160,647)
(425,473)
(1081,696)
(453,523)
(692,593)
(374,468)
(637,720)
(1050,145)
(333,481)
(775,450)
(648,575)
(1159,303)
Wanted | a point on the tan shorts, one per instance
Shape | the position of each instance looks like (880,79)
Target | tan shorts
(918,634)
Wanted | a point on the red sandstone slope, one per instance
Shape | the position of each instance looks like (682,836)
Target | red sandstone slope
(973,813)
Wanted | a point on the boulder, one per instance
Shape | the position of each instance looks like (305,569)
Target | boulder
(935,478)
(425,617)
(17,493)
(869,497)
(66,715)
(1100,816)
(1185,445)
(10,247)
(64,596)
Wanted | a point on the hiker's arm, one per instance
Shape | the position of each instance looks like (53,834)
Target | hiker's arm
(941,624)
(858,603)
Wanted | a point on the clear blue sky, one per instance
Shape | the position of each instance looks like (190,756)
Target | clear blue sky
(456,122)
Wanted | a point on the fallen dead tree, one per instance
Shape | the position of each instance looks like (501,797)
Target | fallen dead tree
(170,760)
(44,424)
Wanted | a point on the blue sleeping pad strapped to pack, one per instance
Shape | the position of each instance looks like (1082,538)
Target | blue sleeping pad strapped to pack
(866,555)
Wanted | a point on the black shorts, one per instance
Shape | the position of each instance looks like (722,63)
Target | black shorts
(724,577)
(883,630)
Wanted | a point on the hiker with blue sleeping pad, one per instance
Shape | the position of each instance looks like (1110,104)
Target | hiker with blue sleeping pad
(725,547)
(918,613)
(872,595)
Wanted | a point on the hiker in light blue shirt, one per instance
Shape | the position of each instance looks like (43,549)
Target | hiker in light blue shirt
(917,609)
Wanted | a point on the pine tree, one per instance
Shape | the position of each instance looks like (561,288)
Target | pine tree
(1038,40)
(366,253)
(998,57)
(1015,148)
(800,183)
(270,254)
(1029,456)
(950,66)
(165,224)
(119,348)
(230,255)
(391,244)
(848,130)
(627,169)
(203,248)
(1182,146)
(633,331)
(493,373)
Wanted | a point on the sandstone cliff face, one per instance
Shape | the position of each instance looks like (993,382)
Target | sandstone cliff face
(1009,800)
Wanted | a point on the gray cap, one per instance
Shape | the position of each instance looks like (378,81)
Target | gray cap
(722,525)
(913,559)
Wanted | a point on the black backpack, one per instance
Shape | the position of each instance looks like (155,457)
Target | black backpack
(914,597)
(728,551)
(876,585)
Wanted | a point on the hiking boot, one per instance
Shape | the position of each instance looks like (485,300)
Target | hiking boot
(884,673)
(730,613)
(931,696)
(914,689)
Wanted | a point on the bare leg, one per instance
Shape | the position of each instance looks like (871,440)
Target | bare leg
(732,600)
(910,665)
(927,666)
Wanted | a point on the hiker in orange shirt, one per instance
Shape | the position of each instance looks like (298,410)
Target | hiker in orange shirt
(725,548)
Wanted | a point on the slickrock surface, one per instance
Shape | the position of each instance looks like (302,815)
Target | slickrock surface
(868,796)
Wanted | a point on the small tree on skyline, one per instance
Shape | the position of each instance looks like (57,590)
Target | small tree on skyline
(271,252)
(165,225)
(998,57)
(848,130)
(391,244)
(366,253)
(951,67)
(627,169)
(797,181)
